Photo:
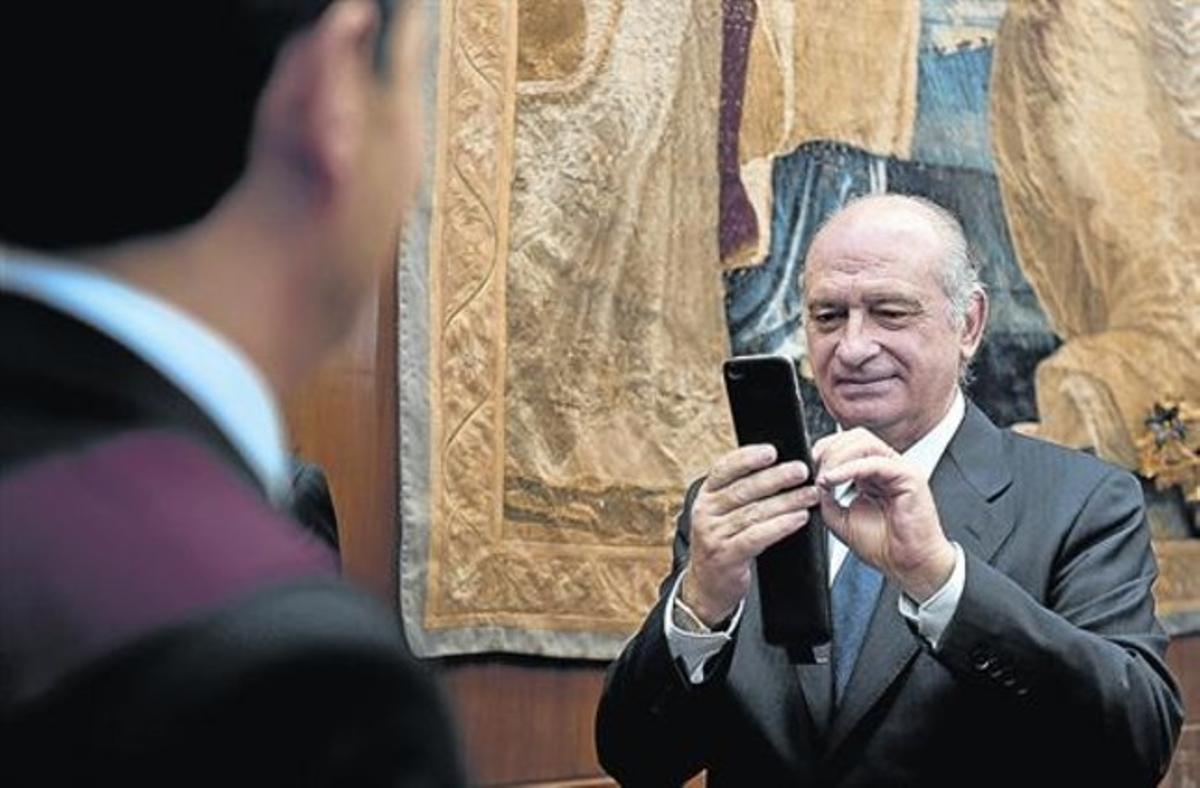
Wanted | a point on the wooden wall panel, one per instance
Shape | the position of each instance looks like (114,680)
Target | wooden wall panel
(526,719)
(1184,658)
(345,420)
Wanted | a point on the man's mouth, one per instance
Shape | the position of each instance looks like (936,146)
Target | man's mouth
(862,384)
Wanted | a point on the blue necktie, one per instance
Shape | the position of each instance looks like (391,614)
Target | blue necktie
(852,600)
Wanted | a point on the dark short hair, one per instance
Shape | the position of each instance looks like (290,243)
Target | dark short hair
(130,118)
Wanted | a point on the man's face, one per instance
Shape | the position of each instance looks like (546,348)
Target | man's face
(883,346)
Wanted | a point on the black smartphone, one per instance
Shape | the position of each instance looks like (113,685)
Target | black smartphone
(793,573)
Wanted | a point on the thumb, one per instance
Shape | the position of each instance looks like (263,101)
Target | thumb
(833,514)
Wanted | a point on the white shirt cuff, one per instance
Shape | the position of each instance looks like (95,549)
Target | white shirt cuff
(934,614)
(695,649)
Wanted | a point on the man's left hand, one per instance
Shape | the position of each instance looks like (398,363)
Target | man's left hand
(892,523)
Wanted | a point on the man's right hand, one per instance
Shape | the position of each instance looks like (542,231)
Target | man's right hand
(745,505)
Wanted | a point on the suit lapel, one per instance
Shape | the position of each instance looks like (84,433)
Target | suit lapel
(968,480)
(969,476)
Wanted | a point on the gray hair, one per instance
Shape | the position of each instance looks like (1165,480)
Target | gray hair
(959,274)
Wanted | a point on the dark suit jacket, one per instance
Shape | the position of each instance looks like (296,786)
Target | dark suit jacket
(1050,673)
(310,501)
(160,622)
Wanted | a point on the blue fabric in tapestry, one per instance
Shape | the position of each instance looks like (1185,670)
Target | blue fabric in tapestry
(954,65)
(952,108)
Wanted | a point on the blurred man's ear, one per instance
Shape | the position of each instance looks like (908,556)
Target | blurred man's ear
(313,114)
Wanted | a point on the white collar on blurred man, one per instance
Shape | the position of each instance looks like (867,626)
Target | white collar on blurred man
(206,367)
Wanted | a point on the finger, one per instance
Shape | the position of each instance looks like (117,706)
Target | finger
(819,448)
(785,502)
(738,463)
(856,525)
(835,516)
(759,486)
(753,540)
(872,474)
(837,439)
(849,445)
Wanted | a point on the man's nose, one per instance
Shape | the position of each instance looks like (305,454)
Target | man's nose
(857,345)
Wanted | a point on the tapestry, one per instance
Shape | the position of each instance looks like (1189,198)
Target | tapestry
(1096,115)
(574,322)
(621,194)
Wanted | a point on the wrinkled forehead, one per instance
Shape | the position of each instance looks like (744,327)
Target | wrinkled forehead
(869,286)
(882,243)
(875,229)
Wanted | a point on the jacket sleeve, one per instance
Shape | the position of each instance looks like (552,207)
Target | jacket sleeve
(1086,660)
(649,725)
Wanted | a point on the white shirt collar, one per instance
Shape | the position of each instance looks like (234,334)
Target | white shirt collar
(926,452)
(205,366)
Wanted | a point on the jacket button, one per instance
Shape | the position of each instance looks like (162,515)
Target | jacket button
(982,660)
(1000,672)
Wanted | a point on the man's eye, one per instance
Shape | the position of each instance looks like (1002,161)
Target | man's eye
(891,315)
(827,317)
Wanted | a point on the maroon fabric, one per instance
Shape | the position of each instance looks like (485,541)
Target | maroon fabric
(737,226)
(101,545)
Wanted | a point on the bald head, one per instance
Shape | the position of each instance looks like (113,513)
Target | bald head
(916,219)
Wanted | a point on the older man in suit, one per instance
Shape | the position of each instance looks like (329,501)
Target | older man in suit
(201,196)
(991,593)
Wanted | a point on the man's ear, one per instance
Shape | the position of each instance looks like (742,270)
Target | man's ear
(974,322)
(312,117)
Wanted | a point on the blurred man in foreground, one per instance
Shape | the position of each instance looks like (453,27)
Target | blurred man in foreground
(200,196)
